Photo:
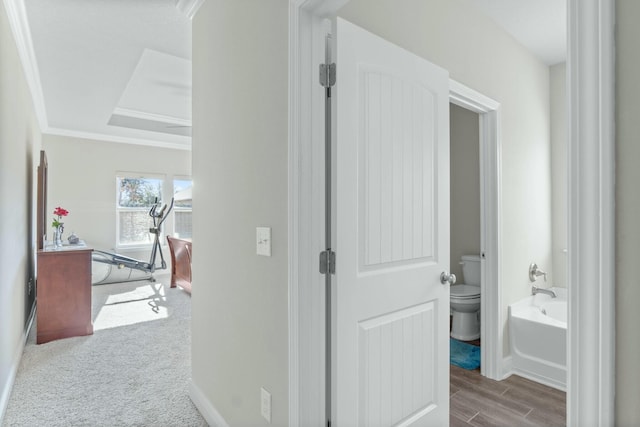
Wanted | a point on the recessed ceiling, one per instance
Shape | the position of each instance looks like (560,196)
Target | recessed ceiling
(114,69)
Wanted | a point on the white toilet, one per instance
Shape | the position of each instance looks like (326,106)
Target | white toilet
(465,301)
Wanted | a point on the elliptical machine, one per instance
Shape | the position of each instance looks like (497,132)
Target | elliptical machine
(127,267)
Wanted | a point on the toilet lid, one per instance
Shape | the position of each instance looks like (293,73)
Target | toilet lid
(465,291)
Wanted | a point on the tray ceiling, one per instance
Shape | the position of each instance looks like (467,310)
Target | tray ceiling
(114,69)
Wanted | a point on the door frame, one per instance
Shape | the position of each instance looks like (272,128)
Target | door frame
(491,313)
(591,213)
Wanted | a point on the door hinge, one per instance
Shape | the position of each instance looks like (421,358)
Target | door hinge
(327,74)
(327,262)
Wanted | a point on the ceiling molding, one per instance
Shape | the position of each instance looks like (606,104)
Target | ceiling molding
(117,139)
(151,116)
(17,15)
(189,7)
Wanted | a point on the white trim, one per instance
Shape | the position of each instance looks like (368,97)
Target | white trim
(507,367)
(206,409)
(13,371)
(118,139)
(491,313)
(19,23)
(306,217)
(591,252)
(144,115)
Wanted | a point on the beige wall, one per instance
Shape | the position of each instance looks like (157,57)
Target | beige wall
(451,34)
(82,179)
(627,213)
(465,186)
(240,300)
(559,174)
(19,156)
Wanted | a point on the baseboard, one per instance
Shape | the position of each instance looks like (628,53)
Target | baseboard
(17,357)
(507,367)
(549,382)
(207,410)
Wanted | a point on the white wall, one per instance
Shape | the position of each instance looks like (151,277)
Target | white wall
(82,179)
(453,35)
(19,156)
(240,124)
(464,139)
(627,213)
(558,104)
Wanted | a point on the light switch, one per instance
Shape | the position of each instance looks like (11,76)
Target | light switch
(263,241)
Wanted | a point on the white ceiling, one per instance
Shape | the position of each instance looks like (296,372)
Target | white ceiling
(114,69)
(539,25)
(120,70)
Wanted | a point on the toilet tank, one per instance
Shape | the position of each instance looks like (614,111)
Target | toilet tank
(470,269)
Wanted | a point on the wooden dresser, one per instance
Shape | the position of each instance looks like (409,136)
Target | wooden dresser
(64,293)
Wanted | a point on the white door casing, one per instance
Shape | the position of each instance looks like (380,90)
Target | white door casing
(303,14)
(390,311)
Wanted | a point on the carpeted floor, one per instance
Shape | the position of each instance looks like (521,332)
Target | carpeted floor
(133,371)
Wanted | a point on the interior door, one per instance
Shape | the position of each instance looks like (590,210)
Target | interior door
(390,329)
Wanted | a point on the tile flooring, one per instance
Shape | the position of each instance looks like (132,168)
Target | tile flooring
(478,401)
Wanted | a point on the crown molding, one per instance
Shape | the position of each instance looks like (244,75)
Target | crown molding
(118,139)
(151,116)
(19,23)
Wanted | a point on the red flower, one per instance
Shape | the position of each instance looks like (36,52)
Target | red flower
(59,212)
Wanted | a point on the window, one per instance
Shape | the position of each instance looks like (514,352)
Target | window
(135,197)
(182,208)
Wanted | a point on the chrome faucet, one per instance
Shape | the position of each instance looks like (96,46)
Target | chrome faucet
(537,290)
(535,272)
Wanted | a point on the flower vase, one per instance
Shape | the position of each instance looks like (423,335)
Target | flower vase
(57,235)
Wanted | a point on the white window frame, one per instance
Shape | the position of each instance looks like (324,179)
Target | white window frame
(176,208)
(118,209)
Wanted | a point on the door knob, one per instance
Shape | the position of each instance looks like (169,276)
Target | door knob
(447,278)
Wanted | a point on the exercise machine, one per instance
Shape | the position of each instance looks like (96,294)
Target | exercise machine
(127,268)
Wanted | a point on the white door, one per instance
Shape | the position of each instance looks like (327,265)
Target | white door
(390,312)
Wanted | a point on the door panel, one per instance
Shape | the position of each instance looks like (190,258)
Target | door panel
(396,359)
(390,313)
(396,179)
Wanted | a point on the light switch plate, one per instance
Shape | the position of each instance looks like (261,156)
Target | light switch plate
(263,241)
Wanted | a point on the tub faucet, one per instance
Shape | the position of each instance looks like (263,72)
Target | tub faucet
(537,290)
(535,272)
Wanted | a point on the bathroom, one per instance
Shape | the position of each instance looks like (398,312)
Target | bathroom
(544,157)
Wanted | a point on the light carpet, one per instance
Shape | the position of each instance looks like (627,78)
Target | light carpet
(133,371)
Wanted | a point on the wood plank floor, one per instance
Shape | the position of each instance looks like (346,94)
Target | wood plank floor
(516,401)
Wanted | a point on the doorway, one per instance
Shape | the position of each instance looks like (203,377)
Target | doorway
(589,20)
(489,178)
(465,229)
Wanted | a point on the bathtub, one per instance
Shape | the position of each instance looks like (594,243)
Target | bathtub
(538,337)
